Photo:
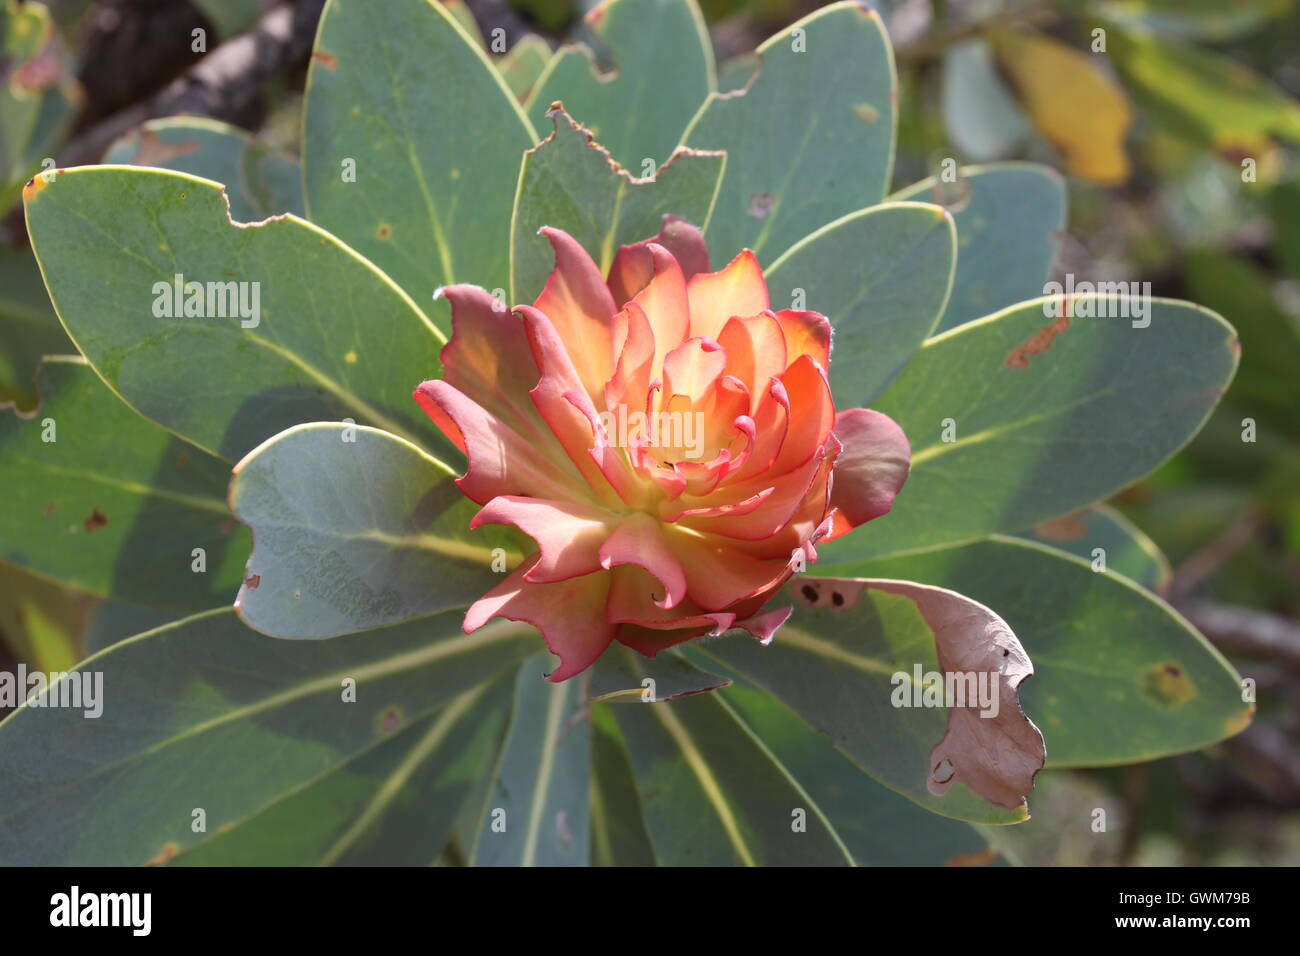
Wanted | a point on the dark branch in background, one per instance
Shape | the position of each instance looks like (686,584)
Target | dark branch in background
(1248,633)
(227,84)
(132,48)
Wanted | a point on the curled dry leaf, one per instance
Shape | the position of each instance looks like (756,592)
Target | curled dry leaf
(996,755)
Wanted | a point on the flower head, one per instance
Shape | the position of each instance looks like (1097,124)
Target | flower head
(666,438)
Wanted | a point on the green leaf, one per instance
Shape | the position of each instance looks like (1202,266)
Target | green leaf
(111,503)
(882,277)
(259,181)
(29,328)
(1119,676)
(240,719)
(570,183)
(714,795)
(41,622)
(1205,97)
(1010,221)
(1044,415)
(390,805)
(879,827)
(618,833)
(660,69)
(979,112)
(810,140)
(331,336)
(1211,20)
(620,675)
(836,663)
(1126,548)
(355,529)
(537,811)
(522,65)
(402,96)
(38,96)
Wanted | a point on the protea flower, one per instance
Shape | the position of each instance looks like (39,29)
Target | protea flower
(667,439)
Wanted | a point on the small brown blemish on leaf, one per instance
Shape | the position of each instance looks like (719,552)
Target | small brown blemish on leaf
(1066,528)
(253,582)
(836,594)
(34,185)
(327,60)
(297,595)
(385,231)
(1040,341)
(1239,722)
(1167,684)
(168,851)
(390,718)
(982,857)
(350,358)
(760,204)
(866,113)
(95,520)
(49,509)
(182,460)
(154,152)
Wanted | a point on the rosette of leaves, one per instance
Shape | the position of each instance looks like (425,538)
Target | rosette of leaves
(338,713)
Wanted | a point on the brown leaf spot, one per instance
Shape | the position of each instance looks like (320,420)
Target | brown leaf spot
(1167,684)
(253,582)
(1066,528)
(94,521)
(168,851)
(979,858)
(390,718)
(1040,341)
(839,595)
(154,152)
(327,60)
(49,509)
(385,231)
(182,460)
(760,204)
(866,113)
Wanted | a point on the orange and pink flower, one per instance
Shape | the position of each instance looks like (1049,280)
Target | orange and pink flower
(729,463)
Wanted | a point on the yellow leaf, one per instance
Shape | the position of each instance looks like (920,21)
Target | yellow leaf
(1072,102)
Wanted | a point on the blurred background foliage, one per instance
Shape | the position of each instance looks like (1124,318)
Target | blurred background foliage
(1176,123)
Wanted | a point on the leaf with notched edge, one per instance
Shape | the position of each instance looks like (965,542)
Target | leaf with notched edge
(662,71)
(569,182)
(994,751)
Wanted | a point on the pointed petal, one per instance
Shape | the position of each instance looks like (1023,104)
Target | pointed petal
(764,626)
(715,297)
(639,540)
(633,266)
(812,413)
(665,304)
(579,305)
(718,575)
(570,614)
(501,462)
(806,333)
(756,349)
(568,535)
